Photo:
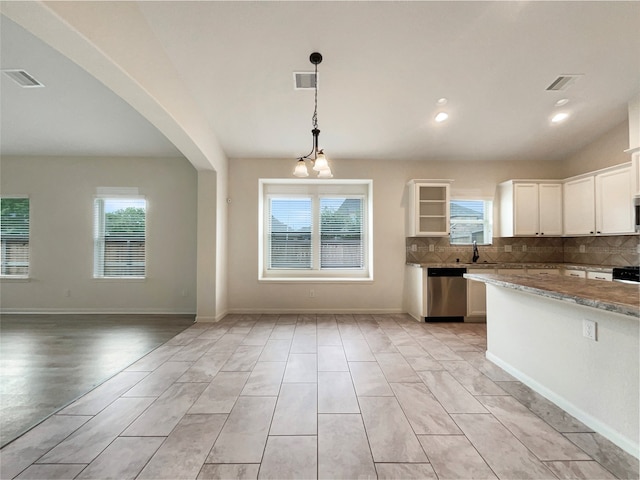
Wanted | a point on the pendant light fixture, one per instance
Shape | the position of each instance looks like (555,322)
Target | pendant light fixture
(316,155)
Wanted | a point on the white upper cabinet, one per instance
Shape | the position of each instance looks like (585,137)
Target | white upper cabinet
(530,208)
(550,202)
(635,173)
(614,206)
(579,206)
(600,203)
(428,208)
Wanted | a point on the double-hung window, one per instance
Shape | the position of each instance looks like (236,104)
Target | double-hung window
(471,220)
(315,230)
(14,237)
(119,237)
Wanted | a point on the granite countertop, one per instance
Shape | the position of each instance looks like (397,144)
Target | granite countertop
(515,266)
(611,296)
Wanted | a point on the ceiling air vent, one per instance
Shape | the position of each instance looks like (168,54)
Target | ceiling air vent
(563,82)
(22,78)
(304,80)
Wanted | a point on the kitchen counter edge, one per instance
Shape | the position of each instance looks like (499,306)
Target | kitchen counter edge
(610,296)
(516,266)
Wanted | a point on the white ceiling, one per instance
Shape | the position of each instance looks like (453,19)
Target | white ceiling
(74,114)
(385,66)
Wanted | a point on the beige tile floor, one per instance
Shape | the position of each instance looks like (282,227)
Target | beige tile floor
(308,396)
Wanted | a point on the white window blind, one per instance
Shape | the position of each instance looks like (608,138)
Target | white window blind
(119,237)
(315,230)
(14,236)
(290,233)
(341,236)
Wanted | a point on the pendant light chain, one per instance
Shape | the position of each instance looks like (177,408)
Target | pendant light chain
(319,161)
(314,118)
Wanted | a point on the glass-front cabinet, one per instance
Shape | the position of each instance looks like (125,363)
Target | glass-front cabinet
(428,208)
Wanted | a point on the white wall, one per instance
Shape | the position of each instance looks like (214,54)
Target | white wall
(539,341)
(246,294)
(605,151)
(61,192)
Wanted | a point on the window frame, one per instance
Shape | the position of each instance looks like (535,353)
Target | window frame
(98,257)
(27,276)
(315,189)
(488,221)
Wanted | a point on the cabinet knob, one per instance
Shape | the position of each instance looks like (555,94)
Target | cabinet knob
(590,232)
(598,231)
(542,233)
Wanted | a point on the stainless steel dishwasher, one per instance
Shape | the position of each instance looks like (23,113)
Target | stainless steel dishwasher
(446,294)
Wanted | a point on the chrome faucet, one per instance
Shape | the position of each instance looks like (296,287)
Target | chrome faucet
(476,255)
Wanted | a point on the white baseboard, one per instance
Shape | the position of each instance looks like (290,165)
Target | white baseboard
(205,319)
(89,311)
(285,311)
(626,444)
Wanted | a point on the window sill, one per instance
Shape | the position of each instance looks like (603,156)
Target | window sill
(315,280)
(10,278)
(120,279)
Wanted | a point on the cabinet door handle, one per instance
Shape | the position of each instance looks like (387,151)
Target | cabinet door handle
(598,231)
(590,232)
(542,233)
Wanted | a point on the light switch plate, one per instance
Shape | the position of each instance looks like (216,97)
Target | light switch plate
(508,248)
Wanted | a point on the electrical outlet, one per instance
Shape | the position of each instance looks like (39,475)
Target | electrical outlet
(508,248)
(414,247)
(67,292)
(590,329)
(638,248)
(183,293)
(524,248)
(582,249)
(432,247)
(312,293)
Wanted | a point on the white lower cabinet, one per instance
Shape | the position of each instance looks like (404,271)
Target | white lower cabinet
(591,275)
(415,299)
(599,276)
(575,273)
(511,271)
(543,271)
(477,295)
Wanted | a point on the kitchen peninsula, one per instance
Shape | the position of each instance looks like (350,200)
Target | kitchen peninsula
(575,341)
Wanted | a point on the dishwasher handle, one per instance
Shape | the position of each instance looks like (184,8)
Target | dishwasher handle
(446,272)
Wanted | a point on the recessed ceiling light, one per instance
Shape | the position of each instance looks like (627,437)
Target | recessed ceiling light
(441,117)
(559,117)
(442,101)
(561,102)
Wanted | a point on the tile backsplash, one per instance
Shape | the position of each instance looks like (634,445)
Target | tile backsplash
(610,250)
(604,250)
